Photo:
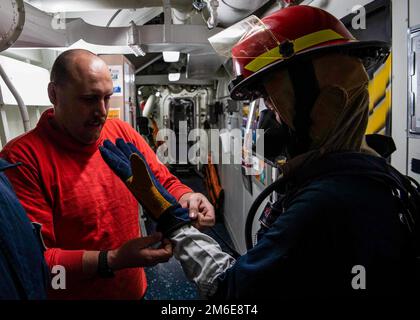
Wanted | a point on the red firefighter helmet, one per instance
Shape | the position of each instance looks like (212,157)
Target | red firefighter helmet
(258,46)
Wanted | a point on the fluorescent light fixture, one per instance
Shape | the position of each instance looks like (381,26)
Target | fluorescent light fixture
(137,50)
(174,76)
(170,56)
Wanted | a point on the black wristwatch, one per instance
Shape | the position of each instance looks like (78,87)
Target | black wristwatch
(104,271)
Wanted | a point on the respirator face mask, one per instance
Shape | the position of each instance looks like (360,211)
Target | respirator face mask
(291,93)
(276,133)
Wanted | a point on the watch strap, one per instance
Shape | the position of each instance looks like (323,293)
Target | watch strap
(104,271)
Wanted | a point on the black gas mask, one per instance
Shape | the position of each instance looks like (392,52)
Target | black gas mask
(279,138)
(276,135)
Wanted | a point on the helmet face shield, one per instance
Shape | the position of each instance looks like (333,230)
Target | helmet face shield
(257,46)
(224,41)
(256,39)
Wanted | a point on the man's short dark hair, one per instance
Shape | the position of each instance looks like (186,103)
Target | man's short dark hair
(60,71)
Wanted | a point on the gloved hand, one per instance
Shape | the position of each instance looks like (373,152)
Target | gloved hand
(130,165)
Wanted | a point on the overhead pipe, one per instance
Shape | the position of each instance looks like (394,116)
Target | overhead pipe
(181,17)
(167,21)
(212,6)
(232,11)
(22,107)
(53,6)
(148,107)
(221,12)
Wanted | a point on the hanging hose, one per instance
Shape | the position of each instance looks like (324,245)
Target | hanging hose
(22,107)
(254,207)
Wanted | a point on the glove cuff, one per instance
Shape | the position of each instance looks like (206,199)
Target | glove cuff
(173,219)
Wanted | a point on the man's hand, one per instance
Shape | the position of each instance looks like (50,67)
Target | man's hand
(138,253)
(200,209)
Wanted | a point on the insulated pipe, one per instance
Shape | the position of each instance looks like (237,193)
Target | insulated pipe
(22,107)
(180,17)
(212,6)
(231,11)
(54,6)
(148,107)
(203,98)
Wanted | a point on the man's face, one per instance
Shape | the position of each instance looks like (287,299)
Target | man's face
(81,103)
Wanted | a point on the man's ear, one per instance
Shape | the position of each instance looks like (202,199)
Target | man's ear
(52,94)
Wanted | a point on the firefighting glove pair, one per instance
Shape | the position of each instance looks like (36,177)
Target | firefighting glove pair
(129,164)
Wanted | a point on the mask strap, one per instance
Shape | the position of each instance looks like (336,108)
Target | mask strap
(306,90)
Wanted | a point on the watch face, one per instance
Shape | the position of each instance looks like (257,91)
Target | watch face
(12,18)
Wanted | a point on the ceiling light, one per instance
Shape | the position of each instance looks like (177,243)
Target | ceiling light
(174,76)
(171,56)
